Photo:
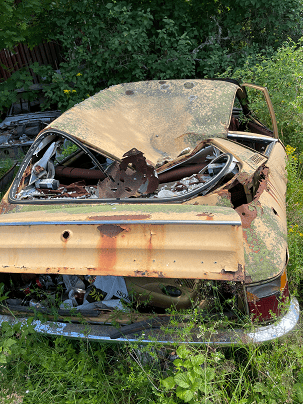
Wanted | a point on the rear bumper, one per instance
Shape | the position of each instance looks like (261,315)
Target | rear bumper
(101,332)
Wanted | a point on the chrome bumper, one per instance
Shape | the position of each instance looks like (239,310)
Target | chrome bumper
(101,332)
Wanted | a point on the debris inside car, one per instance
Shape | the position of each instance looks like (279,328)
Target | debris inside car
(153,199)
(20,127)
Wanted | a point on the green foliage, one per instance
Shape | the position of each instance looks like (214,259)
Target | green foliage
(19,22)
(193,378)
(20,79)
(294,199)
(282,75)
(115,44)
(103,44)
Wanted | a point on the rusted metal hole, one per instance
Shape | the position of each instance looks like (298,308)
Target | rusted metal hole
(129,92)
(110,230)
(275,212)
(66,235)
(243,213)
(188,85)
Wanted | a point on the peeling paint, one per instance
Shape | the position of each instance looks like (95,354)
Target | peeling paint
(208,216)
(234,276)
(151,274)
(110,230)
(247,213)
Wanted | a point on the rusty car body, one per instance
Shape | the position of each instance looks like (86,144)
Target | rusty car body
(173,185)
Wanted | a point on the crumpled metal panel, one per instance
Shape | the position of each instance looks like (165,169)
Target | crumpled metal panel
(264,222)
(160,118)
(122,182)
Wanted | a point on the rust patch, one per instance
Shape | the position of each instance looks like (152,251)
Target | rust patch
(107,249)
(153,274)
(224,193)
(247,213)
(120,217)
(38,170)
(25,178)
(234,276)
(208,216)
(243,179)
(122,182)
(263,183)
(110,230)
(6,207)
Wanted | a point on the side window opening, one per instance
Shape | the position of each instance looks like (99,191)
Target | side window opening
(59,168)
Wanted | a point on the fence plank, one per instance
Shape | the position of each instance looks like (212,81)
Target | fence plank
(45,53)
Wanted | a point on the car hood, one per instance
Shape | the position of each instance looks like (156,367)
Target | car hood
(160,118)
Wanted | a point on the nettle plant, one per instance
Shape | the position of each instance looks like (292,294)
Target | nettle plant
(193,377)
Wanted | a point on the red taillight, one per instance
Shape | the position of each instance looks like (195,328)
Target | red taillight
(265,301)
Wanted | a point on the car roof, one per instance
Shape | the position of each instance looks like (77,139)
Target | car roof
(159,118)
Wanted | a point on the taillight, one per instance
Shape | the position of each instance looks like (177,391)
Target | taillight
(265,300)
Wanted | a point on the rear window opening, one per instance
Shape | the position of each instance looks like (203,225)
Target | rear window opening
(262,144)
(58,167)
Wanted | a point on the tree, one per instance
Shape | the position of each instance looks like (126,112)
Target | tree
(20,22)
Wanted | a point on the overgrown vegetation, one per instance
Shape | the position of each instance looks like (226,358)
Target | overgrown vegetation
(118,42)
(106,43)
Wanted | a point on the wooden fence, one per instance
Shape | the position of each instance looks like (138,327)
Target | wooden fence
(22,56)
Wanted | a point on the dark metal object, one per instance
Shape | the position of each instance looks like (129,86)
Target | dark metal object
(17,132)
(122,182)
(179,173)
(60,312)
(48,183)
(79,173)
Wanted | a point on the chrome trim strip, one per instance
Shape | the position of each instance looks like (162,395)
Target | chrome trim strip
(101,332)
(280,328)
(267,138)
(162,222)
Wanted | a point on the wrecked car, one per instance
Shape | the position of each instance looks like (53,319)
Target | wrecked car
(151,202)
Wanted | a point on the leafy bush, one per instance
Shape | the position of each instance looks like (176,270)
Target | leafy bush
(20,79)
(282,75)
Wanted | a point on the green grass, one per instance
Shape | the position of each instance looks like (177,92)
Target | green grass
(42,370)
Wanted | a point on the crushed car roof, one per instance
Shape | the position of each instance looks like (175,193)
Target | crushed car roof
(160,118)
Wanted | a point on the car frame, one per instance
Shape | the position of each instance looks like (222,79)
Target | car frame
(217,224)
